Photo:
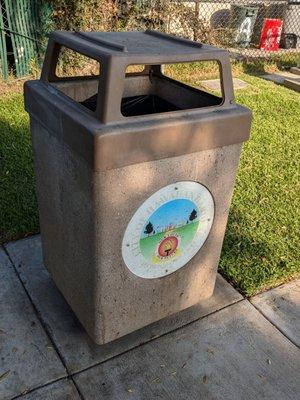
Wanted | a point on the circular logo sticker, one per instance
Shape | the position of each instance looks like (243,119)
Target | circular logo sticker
(168,229)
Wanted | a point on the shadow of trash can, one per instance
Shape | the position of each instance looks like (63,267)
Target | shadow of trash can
(135,173)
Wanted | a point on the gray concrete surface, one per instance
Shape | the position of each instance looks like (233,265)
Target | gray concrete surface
(293,84)
(295,70)
(214,84)
(233,349)
(61,390)
(77,350)
(290,80)
(28,358)
(233,354)
(281,306)
(281,76)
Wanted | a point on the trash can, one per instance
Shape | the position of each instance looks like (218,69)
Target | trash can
(292,25)
(135,173)
(243,18)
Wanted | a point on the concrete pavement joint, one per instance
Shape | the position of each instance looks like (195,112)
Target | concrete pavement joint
(276,327)
(47,331)
(20,396)
(43,324)
(71,377)
(153,339)
(77,388)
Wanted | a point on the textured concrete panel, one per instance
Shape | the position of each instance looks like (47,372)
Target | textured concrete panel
(280,77)
(293,84)
(233,354)
(61,390)
(78,350)
(28,358)
(295,70)
(214,84)
(124,301)
(282,307)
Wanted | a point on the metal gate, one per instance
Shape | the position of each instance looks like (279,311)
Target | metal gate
(19,26)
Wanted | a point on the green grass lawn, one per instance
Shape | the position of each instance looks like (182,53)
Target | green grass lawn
(261,247)
(18,212)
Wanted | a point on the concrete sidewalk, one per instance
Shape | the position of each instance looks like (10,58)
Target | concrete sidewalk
(234,349)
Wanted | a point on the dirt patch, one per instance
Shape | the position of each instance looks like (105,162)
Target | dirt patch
(12,86)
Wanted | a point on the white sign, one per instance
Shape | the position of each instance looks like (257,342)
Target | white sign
(168,229)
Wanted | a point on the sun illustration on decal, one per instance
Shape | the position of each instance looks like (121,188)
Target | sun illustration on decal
(168,246)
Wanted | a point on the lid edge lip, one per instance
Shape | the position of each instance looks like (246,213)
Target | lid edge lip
(125,125)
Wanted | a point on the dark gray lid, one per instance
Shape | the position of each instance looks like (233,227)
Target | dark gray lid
(108,139)
(154,45)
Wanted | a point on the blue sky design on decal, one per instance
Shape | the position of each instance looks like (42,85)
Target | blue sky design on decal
(173,213)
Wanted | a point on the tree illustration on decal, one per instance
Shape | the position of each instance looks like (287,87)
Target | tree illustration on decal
(148,229)
(193,215)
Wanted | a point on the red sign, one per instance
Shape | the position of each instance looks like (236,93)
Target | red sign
(270,34)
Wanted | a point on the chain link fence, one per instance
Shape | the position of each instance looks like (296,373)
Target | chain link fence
(249,29)
(18,36)
(255,30)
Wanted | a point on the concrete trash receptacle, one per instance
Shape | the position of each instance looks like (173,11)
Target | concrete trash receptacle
(135,173)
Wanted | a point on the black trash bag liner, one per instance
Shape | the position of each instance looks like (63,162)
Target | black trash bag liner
(137,105)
